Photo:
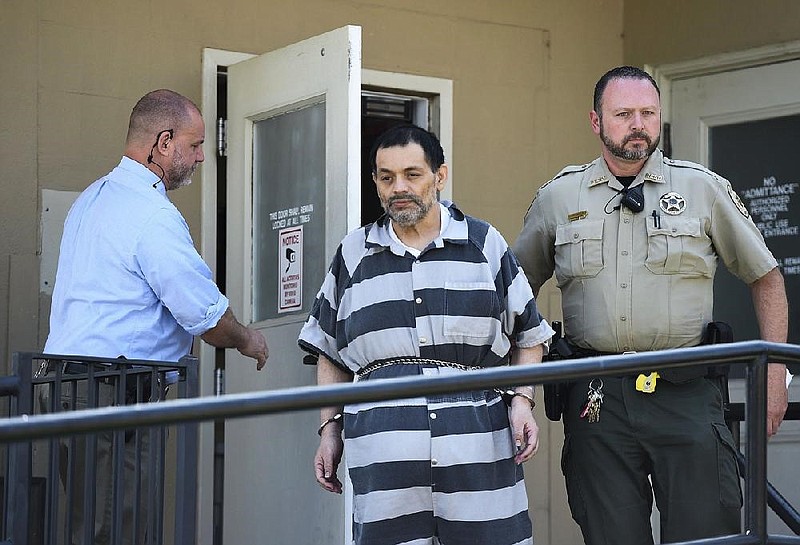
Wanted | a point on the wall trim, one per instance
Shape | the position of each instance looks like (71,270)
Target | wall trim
(665,74)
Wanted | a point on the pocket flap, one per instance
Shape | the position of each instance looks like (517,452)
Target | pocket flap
(578,231)
(675,227)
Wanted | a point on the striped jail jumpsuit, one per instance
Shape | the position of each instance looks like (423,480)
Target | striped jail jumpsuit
(436,469)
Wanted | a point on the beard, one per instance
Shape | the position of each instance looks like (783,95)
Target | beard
(410,215)
(630,154)
(181,172)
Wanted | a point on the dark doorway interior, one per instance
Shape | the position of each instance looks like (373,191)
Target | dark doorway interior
(378,113)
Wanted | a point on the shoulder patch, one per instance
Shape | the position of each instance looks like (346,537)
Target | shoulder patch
(737,201)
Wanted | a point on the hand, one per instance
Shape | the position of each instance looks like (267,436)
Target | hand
(777,397)
(524,430)
(326,461)
(256,348)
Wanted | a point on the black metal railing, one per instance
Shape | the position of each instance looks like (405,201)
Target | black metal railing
(754,354)
(55,490)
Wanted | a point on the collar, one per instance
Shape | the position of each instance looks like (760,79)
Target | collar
(141,174)
(455,230)
(652,171)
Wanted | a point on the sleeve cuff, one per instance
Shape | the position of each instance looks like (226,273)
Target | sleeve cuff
(212,317)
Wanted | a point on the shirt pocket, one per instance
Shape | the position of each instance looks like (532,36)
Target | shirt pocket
(679,246)
(472,309)
(579,249)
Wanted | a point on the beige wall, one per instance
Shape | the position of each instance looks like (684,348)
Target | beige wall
(658,32)
(521,87)
(523,73)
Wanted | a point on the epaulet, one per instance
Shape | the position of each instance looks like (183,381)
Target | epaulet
(571,169)
(737,201)
(677,163)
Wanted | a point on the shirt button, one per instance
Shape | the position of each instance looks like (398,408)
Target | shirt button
(623,318)
(624,252)
(626,220)
(433,416)
(418,300)
(423,340)
(575,235)
(623,285)
(434,461)
(626,348)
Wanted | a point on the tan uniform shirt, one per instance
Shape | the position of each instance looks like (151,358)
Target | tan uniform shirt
(638,281)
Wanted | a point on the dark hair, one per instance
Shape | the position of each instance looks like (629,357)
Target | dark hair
(620,72)
(159,110)
(403,135)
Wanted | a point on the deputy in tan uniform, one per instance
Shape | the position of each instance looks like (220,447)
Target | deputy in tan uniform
(634,239)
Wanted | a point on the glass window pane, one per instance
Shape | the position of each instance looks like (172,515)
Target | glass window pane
(288,211)
(758,157)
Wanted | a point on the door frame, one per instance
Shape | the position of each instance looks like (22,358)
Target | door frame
(212,58)
(665,74)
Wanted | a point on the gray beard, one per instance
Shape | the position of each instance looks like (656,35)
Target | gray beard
(636,154)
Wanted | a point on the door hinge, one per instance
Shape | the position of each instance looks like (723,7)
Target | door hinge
(222,137)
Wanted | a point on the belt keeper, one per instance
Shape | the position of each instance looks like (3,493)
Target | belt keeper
(335,418)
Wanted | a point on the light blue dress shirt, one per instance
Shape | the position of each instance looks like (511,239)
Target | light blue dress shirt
(130,281)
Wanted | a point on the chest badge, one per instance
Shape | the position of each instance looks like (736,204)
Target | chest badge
(672,203)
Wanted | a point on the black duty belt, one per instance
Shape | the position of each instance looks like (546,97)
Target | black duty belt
(676,375)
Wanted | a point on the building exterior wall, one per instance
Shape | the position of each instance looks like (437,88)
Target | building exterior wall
(667,32)
(522,71)
(78,66)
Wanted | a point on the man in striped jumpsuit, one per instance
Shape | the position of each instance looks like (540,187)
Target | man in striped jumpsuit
(426,290)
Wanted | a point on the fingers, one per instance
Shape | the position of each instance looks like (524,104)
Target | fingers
(258,349)
(326,463)
(326,477)
(773,423)
(528,448)
(526,437)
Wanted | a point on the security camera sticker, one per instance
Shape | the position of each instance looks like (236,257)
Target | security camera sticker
(290,269)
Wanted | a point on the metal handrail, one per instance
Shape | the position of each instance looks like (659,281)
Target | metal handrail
(120,373)
(753,353)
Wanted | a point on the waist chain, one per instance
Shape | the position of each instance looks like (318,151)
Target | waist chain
(380,364)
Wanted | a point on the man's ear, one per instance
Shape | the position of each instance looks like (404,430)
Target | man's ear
(164,140)
(441,176)
(594,119)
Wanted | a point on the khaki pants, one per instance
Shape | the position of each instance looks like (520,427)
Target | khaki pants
(73,466)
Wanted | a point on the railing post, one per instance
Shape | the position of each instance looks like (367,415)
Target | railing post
(187,444)
(20,466)
(756,477)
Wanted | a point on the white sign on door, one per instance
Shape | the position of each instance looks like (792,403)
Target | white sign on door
(290,269)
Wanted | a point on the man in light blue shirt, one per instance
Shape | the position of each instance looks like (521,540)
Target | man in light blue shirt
(130,281)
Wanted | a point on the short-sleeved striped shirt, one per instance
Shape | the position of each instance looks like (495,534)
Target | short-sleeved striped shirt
(441,465)
(461,300)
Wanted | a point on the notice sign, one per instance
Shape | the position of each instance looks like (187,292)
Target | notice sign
(290,269)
